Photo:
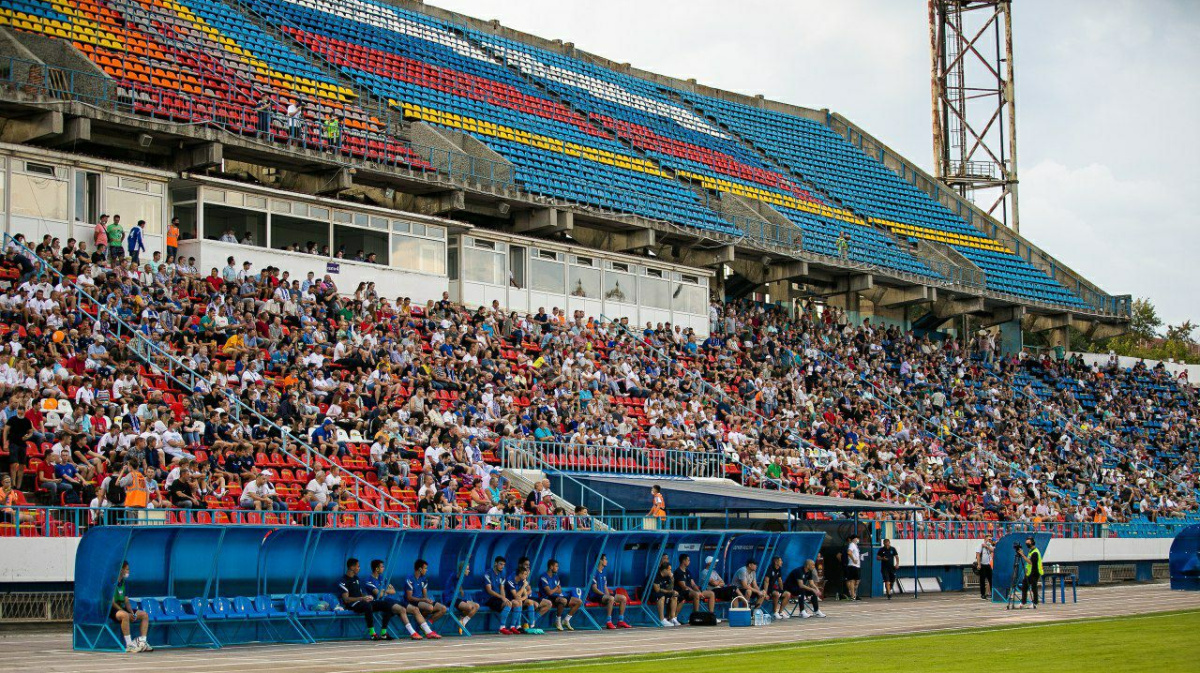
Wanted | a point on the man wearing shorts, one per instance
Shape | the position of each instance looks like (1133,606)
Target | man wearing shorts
(722,591)
(388,603)
(353,598)
(550,589)
(688,590)
(496,600)
(121,612)
(853,568)
(466,609)
(519,590)
(746,581)
(773,585)
(416,595)
(599,592)
(888,559)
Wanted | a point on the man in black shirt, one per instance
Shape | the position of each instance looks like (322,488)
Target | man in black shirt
(17,431)
(773,585)
(802,583)
(888,559)
(688,589)
(350,592)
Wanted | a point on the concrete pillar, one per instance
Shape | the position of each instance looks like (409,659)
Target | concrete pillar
(1011,341)
(853,307)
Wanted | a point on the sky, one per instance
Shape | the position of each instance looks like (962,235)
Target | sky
(1106,96)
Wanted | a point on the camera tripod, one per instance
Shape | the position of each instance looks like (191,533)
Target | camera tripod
(1014,586)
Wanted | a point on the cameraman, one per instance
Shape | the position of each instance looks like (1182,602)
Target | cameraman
(1033,571)
(983,567)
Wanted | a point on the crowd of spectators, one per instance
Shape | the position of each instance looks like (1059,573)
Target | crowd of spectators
(416,398)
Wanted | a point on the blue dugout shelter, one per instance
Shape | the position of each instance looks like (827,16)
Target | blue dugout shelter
(209,586)
(1184,560)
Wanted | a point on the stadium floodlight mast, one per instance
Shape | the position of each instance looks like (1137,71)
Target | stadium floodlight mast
(974,113)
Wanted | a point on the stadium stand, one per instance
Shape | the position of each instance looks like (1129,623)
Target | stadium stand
(811,402)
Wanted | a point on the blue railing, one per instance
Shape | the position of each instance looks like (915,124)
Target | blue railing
(39,521)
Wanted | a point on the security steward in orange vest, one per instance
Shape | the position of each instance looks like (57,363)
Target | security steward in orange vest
(137,489)
(658,506)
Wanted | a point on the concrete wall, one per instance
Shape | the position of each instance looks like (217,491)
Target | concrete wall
(93,84)
(390,282)
(38,559)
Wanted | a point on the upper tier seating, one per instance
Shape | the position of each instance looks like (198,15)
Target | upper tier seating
(201,61)
(437,76)
(822,157)
(696,150)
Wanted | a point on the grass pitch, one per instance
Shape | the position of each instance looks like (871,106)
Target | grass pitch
(1160,642)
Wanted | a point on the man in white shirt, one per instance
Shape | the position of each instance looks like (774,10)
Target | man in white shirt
(853,568)
(317,493)
(260,494)
(983,566)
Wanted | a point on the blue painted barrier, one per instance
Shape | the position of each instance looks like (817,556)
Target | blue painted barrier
(1184,560)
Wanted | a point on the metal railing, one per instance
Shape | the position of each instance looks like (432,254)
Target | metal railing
(624,460)
(515,456)
(973,530)
(38,521)
(156,356)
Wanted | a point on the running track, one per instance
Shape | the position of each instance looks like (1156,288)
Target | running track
(44,651)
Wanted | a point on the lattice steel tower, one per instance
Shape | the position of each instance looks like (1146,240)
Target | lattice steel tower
(974,120)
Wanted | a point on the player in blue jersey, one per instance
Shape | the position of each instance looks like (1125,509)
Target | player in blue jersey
(496,598)
(599,592)
(550,591)
(521,590)
(466,609)
(387,602)
(416,594)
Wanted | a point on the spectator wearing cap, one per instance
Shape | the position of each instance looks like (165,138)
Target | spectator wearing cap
(260,494)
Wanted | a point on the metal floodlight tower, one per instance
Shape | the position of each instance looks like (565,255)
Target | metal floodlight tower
(974,115)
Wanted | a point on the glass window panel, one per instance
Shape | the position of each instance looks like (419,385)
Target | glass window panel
(483,266)
(358,244)
(546,276)
(620,287)
(689,298)
(655,293)
(401,226)
(134,206)
(87,197)
(418,229)
(452,263)
(516,266)
(418,254)
(318,213)
(584,282)
(39,196)
(256,201)
(435,232)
